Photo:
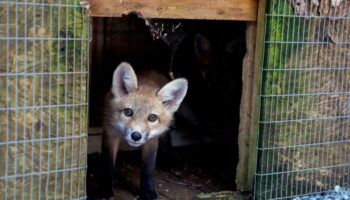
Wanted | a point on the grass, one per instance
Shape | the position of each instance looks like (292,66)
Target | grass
(304,129)
(43,140)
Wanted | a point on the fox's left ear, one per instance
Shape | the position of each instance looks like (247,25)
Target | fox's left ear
(173,93)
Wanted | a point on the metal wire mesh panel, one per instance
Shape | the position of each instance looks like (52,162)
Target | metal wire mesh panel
(304,139)
(43,101)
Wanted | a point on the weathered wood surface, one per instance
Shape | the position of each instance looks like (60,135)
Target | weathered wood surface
(246,108)
(181,9)
(249,126)
(254,131)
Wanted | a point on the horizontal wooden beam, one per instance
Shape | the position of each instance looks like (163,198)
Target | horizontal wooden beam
(245,10)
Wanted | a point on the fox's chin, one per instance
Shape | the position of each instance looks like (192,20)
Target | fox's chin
(134,144)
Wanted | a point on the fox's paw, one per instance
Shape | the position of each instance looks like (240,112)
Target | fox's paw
(149,196)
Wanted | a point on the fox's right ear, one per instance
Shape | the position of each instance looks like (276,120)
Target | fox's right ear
(124,80)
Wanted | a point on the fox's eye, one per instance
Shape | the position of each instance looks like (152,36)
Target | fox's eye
(128,112)
(152,117)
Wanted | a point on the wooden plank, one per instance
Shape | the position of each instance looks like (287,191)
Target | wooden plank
(254,131)
(180,9)
(246,109)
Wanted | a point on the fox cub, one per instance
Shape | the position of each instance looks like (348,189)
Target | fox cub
(138,110)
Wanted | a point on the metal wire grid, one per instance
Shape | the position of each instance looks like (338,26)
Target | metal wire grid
(304,139)
(43,100)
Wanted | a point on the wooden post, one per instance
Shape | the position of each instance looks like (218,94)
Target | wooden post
(246,108)
(250,106)
(254,132)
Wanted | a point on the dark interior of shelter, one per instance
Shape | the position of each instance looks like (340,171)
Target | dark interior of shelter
(200,152)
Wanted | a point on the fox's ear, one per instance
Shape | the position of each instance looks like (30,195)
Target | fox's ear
(201,45)
(173,93)
(124,80)
(235,47)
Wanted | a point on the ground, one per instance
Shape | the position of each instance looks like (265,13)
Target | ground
(195,172)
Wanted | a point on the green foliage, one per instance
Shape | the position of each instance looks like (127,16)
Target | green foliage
(282,29)
(70,53)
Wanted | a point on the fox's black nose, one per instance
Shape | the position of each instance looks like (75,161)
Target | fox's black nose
(136,136)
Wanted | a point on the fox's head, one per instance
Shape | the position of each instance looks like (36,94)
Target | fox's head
(221,57)
(142,111)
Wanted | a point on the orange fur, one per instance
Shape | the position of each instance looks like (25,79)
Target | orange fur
(127,120)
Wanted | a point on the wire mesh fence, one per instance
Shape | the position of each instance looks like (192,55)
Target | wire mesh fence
(304,139)
(43,100)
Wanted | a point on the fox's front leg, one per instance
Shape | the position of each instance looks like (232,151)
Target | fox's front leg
(110,146)
(149,156)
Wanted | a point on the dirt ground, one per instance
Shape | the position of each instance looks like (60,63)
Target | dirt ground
(183,173)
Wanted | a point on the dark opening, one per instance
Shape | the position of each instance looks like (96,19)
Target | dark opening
(200,151)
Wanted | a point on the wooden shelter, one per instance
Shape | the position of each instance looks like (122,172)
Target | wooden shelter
(234,10)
